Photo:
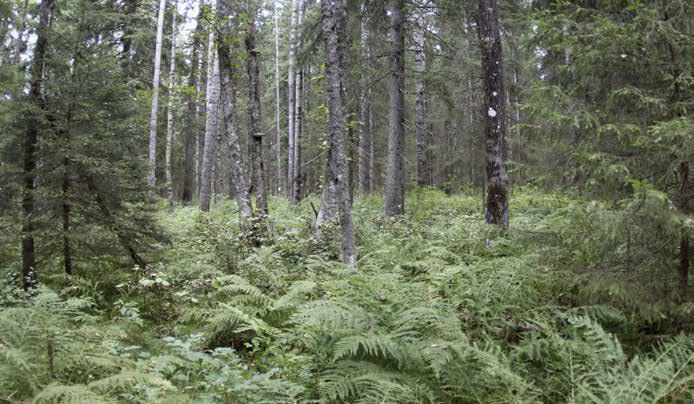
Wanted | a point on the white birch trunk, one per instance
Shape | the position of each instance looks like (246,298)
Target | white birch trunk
(211,109)
(169,113)
(291,100)
(151,176)
(278,140)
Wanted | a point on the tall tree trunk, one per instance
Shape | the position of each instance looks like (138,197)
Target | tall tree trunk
(192,117)
(256,135)
(278,136)
(67,251)
(291,101)
(420,103)
(21,25)
(333,24)
(365,141)
(496,199)
(239,181)
(298,107)
(30,142)
(169,112)
(151,176)
(212,109)
(394,194)
(202,111)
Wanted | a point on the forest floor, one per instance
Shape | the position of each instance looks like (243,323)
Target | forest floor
(433,313)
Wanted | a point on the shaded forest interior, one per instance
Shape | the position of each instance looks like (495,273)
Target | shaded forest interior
(346,201)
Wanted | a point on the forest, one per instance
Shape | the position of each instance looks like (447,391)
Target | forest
(346,201)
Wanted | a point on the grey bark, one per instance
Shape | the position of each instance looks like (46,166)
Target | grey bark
(151,175)
(256,135)
(420,104)
(365,140)
(212,108)
(496,196)
(169,113)
(394,193)
(333,24)
(239,177)
(278,136)
(192,117)
(298,108)
(291,101)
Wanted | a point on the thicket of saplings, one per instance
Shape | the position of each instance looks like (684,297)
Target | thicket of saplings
(574,303)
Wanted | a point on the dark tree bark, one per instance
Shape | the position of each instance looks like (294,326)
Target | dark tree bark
(333,17)
(191,119)
(496,199)
(30,143)
(684,237)
(256,135)
(67,251)
(394,192)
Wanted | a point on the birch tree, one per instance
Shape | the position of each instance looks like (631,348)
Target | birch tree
(496,195)
(333,24)
(291,101)
(151,176)
(394,193)
(211,109)
(169,112)
(278,139)
(298,108)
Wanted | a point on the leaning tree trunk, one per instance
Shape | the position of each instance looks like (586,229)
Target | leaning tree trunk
(151,175)
(191,118)
(420,105)
(212,110)
(169,112)
(333,24)
(394,193)
(496,199)
(256,135)
(30,142)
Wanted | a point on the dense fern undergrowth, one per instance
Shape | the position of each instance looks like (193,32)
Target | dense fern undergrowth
(572,304)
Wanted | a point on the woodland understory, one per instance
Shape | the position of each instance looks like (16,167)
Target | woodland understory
(346,201)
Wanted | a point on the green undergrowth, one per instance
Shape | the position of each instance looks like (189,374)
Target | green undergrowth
(572,304)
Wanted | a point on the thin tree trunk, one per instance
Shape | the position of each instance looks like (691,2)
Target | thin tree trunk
(202,111)
(67,253)
(333,24)
(192,117)
(394,195)
(496,199)
(278,138)
(291,102)
(169,113)
(256,135)
(211,123)
(684,236)
(151,176)
(420,104)
(365,142)
(30,143)
(298,107)
(21,25)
